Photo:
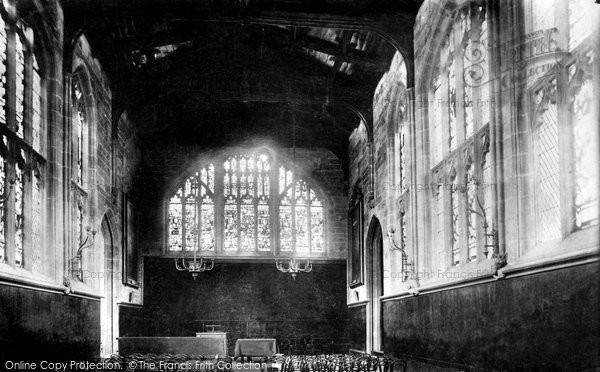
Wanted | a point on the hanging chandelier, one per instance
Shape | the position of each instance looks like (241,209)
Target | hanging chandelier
(195,266)
(294,267)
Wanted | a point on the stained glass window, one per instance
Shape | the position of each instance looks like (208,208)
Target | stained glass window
(191,213)
(247,208)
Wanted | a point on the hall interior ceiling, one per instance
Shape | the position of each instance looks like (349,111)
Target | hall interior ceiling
(216,73)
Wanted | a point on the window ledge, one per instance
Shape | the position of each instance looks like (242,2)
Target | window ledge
(528,267)
(22,278)
(577,243)
(80,289)
(16,276)
(568,259)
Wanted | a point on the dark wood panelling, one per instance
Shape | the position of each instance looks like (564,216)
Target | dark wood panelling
(357,327)
(246,300)
(546,321)
(36,325)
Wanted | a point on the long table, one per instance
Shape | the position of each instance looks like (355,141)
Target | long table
(200,345)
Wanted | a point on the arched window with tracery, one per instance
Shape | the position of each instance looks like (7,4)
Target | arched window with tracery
(22,159)
(246,204)
(459,118)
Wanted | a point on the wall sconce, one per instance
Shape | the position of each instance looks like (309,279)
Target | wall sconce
(75,263)
(195,266)
(293,267)
(407,268)
(491,234)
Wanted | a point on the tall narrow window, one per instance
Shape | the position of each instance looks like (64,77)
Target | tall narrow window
(247,222)
(36,106)
(191,213)
(20,84)
(19,215)
(546,153)
(295,208)
(22,161)
(3,191)
(461,115)
(3,77)
(80,129)
(586,155)
(246,183)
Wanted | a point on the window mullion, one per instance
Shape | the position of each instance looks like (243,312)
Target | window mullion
(219,205)
(308,221)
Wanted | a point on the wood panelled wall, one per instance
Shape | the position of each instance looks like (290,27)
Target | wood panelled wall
(37,325)
(547,321)
(247,299)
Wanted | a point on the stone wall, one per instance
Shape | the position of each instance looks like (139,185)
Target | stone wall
(473,314)
(49,312)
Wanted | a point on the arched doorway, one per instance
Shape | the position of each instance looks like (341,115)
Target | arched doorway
(374,284)
(107,310)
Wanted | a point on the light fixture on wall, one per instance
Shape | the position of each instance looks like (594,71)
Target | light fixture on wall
(294,267)
(195,266)
(76,263)
(491,234)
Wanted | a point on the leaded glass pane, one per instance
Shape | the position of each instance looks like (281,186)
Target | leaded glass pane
(316,228)
(301,229)
(19,84)
(36,222)
(470,213)
(581,21)
(486,184)
(264,228)
(2,190)
(440,225)
(585,134)
(175,223)
(80,124)
(19,216)
(485,101)
(247,225)
(437,134)
(453,141)
(456,230)
(285,226)
(36,114)
(207,225)
(230,231)
(547,189)
(3,43)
